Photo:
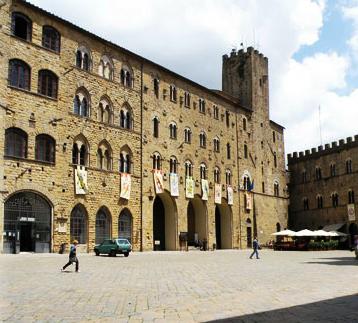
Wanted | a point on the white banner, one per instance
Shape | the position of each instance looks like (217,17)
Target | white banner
(204,189)
(351,212)
(81,187)
(248,201)
(217,193)
(189,188)
(230,195)
(158,181)
(126,182)
(174,184)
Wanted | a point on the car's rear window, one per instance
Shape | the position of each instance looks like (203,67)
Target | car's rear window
(123,241)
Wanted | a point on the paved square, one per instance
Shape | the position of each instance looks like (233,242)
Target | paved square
(181,287)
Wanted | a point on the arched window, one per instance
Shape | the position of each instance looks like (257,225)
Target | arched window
(202,139)
(304,176)
(125,225)
(333,169)
(48,83)
(21,26)
(80,152)
(217,175)
(19,74)
(15,143)
(203,172)
(334,198)
(216,112)
(188,168)
(126,76)
(228,177)
(244,122)
(318,173)
(157,161)
(173,93)
(104,113)
(81,103)
(246,154)
(51,38)
(216,144)
(276,190)
(156,127)
(349,166)
(228,151)
(173,165)
(83,58)
(78,224)
(45,148)
(104,156)
(202,105)
(103,225)
(125,160)
(105,68)
(156,87)
(246,182)
(319,201)
(305,203)
(350,197)
(173,130)
(187,99)
(187,135)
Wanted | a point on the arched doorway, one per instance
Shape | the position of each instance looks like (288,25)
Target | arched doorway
(353,231)
(164,222)
(248,233)
(79,225)
(196,221)
(27,223)
(103,225)
(125,225)
(223,225)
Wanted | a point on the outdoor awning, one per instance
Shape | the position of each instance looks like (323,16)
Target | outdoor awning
(284,233)
(322,233)
(305,233)
(333,227)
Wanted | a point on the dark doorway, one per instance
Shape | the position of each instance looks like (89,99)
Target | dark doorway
(27,242)
(353,231)
(218,227)
(158,224)
(191,224)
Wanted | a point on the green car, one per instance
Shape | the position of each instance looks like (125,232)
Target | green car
(112,247)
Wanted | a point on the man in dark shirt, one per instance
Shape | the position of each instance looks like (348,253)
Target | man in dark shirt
(256,247)
(72,257)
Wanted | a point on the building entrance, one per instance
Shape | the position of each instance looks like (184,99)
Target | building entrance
(223,225)
(158,224)
(27,240)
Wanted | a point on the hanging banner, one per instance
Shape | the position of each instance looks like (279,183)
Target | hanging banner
(81,186)
(204,189)
(230,195)
(174,184)
(189,188)
(351,212)
(126,182)
(158,181)
(248,201)
(217,193)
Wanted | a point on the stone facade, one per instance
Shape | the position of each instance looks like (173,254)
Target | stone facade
(323,181)
(238,116)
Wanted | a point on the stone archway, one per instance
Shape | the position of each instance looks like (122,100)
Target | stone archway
(223,229)
(27,223)
(196,221)
(79,227)
(164,222)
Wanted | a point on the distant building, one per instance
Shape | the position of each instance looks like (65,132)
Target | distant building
(99,142)
(323,184)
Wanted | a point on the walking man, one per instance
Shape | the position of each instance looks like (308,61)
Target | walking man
(72,257)
(256,247)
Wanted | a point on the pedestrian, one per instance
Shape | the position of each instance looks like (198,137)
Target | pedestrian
(256,247)
(72,257)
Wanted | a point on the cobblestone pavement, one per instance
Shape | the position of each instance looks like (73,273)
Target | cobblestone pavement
(181,287)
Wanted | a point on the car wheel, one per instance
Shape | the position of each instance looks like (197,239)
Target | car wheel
(97,252)
(126,254)
(112,253)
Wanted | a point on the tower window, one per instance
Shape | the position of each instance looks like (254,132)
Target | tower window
(21,26)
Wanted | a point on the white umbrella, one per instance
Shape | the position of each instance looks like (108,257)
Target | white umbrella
(337,234)
(305,233)
(284,233)
(322,233)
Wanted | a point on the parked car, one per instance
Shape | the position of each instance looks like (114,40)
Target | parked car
(112,247)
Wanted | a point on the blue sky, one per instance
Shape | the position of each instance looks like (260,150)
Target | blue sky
(312,46)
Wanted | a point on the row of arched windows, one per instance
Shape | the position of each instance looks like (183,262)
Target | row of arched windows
(334,200)
(103,228)
(20,77)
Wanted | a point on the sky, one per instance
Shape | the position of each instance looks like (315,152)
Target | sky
(312,47)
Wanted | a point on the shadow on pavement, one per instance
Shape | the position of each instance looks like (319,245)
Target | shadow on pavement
(340,309)
(336,261)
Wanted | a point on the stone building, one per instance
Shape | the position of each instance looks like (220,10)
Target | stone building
(322,186)
(84,122)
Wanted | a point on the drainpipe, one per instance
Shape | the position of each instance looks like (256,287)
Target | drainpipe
(238,179)
(141,157)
